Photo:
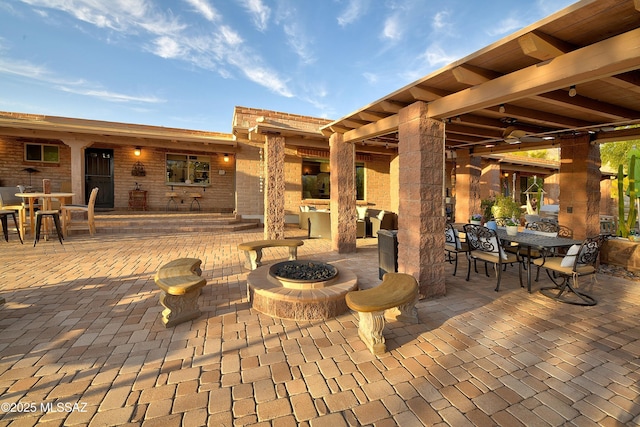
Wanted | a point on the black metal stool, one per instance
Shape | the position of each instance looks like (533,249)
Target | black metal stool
(4,215)
(56,220)
(195,201)
(172,195)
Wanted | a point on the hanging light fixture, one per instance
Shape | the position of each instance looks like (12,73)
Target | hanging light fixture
(572,91)
(137,151)
(501,108)
(226,158)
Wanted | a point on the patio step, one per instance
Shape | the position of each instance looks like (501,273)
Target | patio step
(155,222)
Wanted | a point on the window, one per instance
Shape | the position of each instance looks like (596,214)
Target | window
(316,182)
(41,153)
(188,169)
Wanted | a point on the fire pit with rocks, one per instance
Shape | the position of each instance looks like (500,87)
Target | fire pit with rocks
(300,290)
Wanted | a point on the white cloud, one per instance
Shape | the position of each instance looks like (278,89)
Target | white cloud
(166,47)
(370,78)
(119,15)
(205,9)
(41,74)
(440,21)
(392,29)
(435,56)
(166,36)
(259,12)
(111,96)
(297,39)
(355,9)
(505,26)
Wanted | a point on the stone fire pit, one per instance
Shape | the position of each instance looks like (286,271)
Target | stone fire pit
(300,290)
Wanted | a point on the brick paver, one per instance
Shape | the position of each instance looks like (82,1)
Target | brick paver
(81,324)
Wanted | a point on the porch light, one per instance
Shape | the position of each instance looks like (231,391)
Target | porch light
(137,151)
(501,108)
(226,158)
(572,91)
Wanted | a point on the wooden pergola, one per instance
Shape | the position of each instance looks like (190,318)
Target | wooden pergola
(575,71)
(571,80)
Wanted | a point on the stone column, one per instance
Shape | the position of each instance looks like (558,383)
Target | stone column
(468,172)
(274,187)
(77,169)
(421,205)
(490,180)
(343,194)
(580,186)
(394,189)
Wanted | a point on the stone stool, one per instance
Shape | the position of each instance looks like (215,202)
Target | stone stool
(171,195)
(56,220)
(4,215)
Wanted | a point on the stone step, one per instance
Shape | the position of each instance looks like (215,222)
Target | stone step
(179,222)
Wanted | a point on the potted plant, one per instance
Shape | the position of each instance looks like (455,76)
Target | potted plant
(511,227)
(475,219)
(505,207)
(626,225)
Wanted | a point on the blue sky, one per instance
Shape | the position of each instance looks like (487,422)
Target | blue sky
(187,63)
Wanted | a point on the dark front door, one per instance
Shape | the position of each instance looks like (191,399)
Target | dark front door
(98,172)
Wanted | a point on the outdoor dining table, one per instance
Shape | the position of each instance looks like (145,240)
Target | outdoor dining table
(46,203)
(535,241)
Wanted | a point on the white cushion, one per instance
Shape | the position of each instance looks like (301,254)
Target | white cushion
(494,243)
(570,257)
(453,237)
(381,215)
(362,211)
(541,233)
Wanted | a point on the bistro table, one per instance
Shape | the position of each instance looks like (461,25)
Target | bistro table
(46,203)
(535,241)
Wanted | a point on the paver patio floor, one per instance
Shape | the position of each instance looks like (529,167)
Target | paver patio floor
(81,328)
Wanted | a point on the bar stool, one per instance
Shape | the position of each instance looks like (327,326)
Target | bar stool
(56,219)
(4,215)
(171,195)
(194,197)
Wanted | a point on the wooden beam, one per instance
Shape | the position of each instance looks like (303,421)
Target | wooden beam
(472,76)
(381,127)
(465,129)
(426,94)
(627,81)
(581,103)
(372,116)
(353,123)
(337,128)
(622,54)
(543,46)
(458,137)
(541,118)
(391,107)
(617,135)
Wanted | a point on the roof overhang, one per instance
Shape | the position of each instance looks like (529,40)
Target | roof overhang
(575,71)
(40,126)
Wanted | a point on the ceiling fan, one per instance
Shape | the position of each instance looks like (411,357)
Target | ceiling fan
(513,135)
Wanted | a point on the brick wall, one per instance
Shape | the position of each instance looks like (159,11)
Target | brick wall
(217,197)
(12,164)
(248,195)
(378,182)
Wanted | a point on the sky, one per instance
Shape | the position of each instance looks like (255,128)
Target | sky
(188,63)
